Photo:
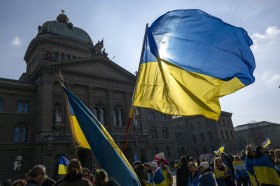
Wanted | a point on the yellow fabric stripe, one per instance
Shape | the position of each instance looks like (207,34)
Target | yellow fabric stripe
(252,179)
(78,133)
(179,92)
(267,175)
(115,146)
(62,169)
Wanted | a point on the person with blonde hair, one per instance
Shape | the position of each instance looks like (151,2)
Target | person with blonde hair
(74,176)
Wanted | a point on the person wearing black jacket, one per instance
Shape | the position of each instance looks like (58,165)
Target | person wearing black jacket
(182,172)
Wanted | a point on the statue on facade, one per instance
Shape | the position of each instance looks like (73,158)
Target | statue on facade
(57,117)
(104,53)
(98,47)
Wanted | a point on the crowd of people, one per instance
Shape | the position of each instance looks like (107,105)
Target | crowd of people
(76,176)
(253,167)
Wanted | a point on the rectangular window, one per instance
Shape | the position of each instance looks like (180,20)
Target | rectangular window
(26,108)
(19,106)
(23,106)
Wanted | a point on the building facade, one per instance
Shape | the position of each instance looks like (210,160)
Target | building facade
(34,127)
(256,133)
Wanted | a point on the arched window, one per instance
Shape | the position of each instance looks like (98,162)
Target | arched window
(18,163)
(68,57)
(23,135)
(20,135)
(17,135)
(118,115)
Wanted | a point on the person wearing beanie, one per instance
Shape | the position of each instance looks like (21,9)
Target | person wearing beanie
(158,177)
(207,177)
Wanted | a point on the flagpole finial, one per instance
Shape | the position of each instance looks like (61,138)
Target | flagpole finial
(61,79)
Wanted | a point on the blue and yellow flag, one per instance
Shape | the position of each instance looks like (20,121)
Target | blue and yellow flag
(265,171)
(221,149)
(190,59)
(266,143)
(78,134)
(106,151)
(62,166)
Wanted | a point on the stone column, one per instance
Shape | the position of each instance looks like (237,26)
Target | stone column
(110,110)
(90,98)
(45,108)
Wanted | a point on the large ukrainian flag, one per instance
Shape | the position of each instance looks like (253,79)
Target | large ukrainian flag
(78,134)
(189,60)
(106,151)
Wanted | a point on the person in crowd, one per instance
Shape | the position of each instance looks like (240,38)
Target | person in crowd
(158,178)
(227,160)
(240,172)
(249,164)
(193,175)
(139,170)
(103,179)
(222,173)
(74,175)
(36,175)
(182,172)
(277,160)
(87,175)
(243,155)
(148,175)
(19,182)
(207,177)
(264,168)
(168,179)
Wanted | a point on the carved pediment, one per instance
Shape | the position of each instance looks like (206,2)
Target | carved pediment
(97,67)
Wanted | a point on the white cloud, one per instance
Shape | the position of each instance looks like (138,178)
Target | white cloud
(271,34)
(16,41)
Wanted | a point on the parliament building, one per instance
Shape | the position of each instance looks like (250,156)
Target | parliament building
(34,125)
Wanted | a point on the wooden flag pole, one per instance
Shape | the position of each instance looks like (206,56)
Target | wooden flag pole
(131,110)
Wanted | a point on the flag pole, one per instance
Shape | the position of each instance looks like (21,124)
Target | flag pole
(132,108)
(67,108)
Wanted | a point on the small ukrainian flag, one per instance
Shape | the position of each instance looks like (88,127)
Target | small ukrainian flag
(63,164)
(221,149)
(266,143)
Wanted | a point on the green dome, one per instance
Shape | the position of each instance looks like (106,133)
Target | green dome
(65,29)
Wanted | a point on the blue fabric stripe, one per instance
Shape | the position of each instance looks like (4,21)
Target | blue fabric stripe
(63,161)
(201,43)
(107,156)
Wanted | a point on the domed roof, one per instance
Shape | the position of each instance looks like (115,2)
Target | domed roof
(64,28)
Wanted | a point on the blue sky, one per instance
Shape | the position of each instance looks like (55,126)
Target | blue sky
(122,25)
